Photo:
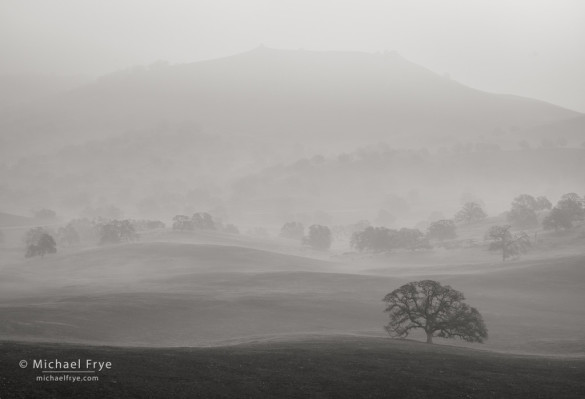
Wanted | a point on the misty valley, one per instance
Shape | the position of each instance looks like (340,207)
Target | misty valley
(291,223)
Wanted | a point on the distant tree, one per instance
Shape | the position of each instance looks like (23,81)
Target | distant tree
(471,212)
(573,204)
(522,217)
(411,239)
(571,197)
(523,211)
(558,219)
(39,243)
(319,237)
(511,245)
(542,203)
(68,235)
(442,230)
(203,221)
(117,231)
(568,210)
(292,230)
(358,226)
(374,239)
(182,223)
(524,201)
(436,309)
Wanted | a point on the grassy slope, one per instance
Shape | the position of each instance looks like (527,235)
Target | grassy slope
(341,367)
(184,294)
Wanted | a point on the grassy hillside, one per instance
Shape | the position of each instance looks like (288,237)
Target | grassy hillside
(183,294)
(340,367)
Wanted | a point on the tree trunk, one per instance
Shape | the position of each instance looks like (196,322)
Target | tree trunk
(429,337)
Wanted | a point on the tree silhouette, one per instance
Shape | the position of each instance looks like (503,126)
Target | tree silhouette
(117,231)
(511,245)
(471,212)
(442,230)
(436,309)
(203,220)
(39,243)
(319,237)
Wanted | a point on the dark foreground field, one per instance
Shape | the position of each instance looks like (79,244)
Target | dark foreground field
(341,367)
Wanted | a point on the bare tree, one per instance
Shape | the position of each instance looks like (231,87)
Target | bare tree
(438,310)
(511,245)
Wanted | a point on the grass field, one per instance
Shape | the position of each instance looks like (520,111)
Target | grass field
(265,319)
(332,367)
(185,294)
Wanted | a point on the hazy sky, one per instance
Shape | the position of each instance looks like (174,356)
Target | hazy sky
(533,48)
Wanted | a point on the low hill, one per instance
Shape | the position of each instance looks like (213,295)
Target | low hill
(331,367)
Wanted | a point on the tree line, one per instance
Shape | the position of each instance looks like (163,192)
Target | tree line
(525,211)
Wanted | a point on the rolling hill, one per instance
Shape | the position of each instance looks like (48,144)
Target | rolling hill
(182,294)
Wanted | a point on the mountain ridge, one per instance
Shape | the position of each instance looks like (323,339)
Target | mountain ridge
(289,94)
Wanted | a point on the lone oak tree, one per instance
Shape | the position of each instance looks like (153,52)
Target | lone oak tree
(436,309)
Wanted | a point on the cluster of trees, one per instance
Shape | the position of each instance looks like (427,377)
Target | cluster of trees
(364,237)
(569,209)
(525,212)
(525,209)
(40,241)
(116,232)
(319,237)
(202,221)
